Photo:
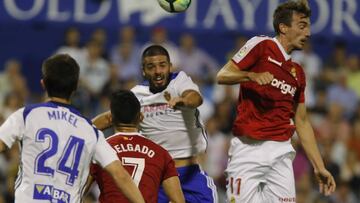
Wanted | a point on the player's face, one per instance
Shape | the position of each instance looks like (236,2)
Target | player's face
(156,69)
(299,31)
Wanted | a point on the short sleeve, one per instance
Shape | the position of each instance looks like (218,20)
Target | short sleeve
(13,128)
(300,94)
(170,169)
(248,55)
(104,153)
(184,82)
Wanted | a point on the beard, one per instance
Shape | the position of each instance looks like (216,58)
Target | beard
(156,89)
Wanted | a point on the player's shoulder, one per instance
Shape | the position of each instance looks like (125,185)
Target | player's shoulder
(178,76)
(137,138)
(141,89)
(178,79)
(261,39)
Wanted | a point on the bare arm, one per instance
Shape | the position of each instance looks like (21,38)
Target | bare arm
(3,146)
(88,184)
(305,132)
(124,182)
(230,74)
(173,190)
(102,121)
(189,98)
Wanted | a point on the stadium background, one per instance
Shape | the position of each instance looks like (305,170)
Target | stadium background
(107,38)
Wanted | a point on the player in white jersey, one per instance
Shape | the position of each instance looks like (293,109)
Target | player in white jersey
(58,144)
(169,104)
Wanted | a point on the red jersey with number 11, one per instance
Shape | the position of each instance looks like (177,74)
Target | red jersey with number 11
(148,164)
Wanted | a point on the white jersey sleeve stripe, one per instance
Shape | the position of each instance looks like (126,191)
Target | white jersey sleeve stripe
(245,50)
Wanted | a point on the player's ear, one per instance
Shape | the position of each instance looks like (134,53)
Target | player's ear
(283,28)
(141,117)
(42,84)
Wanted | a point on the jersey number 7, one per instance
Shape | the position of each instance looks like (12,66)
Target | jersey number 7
(139,166)
(72,150)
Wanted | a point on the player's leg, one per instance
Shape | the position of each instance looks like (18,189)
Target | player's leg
(246,169)
(197,186)
(280,185)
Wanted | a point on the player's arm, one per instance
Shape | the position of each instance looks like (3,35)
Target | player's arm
(11,130)
(230,74)
(2,146)
(305,132)
(124,182)
(189,98)
(102,121)
(173,190)
(88,184)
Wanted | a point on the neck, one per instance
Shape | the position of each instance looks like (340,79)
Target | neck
(126,128)
(285,44)
(60,100)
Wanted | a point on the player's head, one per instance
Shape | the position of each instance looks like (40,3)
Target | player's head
(60,76)
(291,20)
(156,67)
(125,109)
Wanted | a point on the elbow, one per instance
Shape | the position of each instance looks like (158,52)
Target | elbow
(200,101)
(220,79)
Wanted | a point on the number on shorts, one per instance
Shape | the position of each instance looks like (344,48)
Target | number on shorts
(235,185)
(139,166)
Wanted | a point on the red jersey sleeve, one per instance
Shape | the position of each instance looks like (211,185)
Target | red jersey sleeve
(170,169)
(94,169)
(250,53)
(300,94)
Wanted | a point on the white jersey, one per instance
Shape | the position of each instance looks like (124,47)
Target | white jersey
(57,145)
(179,131)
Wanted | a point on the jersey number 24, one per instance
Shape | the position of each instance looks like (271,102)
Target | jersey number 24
(72,150)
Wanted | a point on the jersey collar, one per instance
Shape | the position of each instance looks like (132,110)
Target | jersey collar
(286,56)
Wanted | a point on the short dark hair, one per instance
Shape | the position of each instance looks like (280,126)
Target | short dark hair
(155,50)
(125,107)
(284,12)
(60,74)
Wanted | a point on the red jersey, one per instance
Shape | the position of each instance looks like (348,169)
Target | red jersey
(148,164)
(264,112)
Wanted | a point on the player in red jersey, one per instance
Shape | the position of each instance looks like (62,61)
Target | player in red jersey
(270,108)
(149,164)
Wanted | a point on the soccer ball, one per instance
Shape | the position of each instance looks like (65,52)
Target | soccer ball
(174,6)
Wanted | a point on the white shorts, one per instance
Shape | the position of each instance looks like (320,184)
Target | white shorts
(260,171)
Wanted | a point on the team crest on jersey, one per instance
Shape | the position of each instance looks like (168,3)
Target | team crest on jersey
(48,192)
(293,72)
(232,200)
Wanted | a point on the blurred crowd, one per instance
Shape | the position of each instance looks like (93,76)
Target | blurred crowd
(332,98)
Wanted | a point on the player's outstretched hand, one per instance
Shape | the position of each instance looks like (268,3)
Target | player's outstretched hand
(103,121)
(326,182)
(174,102)
(261,78)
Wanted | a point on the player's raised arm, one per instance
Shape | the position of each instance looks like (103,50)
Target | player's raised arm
(230,74)
(326,181)
(189,98)
(173,190)
(102,121)
(2,146)
(124,182)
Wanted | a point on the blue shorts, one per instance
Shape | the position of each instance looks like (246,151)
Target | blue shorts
(196,185)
